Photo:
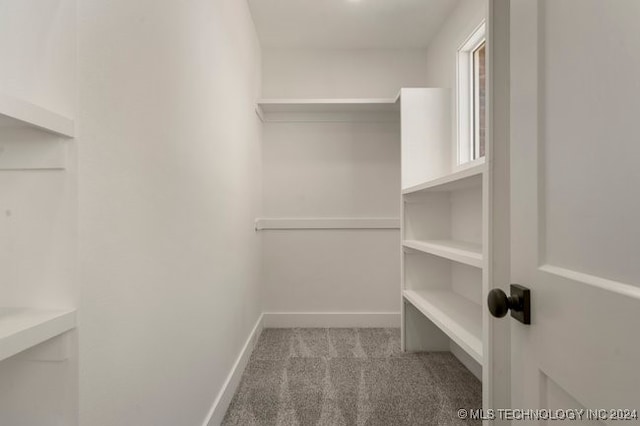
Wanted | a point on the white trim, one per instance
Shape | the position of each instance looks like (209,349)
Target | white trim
(475,38)
(496,391)
(223,399)
(622,289)
(285,223)
(464,82)
(331,319)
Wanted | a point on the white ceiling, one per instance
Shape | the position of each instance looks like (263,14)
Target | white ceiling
(348,23)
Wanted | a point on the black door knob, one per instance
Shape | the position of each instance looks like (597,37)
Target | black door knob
(499,303)
(519,303)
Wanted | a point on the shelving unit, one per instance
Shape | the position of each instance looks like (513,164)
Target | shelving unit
(23,328)
(38,366)
(444,227)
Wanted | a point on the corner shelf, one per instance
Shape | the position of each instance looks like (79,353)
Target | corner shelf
(13,109)
(467,178)
(458,251)
(456,316)
(23,328)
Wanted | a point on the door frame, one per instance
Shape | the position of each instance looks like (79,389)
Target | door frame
(496,336)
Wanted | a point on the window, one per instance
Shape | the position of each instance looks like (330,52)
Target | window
(471,97)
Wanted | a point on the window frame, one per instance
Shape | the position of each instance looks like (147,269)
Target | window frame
(467,139)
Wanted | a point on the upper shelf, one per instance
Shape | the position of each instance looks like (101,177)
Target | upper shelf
(326,109)
(22,328)
(466,178)
(24,112)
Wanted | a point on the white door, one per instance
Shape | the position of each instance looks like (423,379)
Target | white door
(575,200)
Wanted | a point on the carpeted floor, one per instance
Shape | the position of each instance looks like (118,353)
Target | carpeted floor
(342,376)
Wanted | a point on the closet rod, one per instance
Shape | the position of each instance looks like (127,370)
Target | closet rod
(327,223)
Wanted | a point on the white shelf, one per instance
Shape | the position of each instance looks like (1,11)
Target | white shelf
(329,105)
(458,251)
(18,110)
(327,109)
(466,178)
(456,316)
(22,328)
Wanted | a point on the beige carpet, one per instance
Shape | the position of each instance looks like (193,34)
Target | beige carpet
(339,376)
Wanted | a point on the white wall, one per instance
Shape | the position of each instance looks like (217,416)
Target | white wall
(331,170)
(334,170)
(170,168)
(441,52)
(442,56)
(346,73)
(38,52)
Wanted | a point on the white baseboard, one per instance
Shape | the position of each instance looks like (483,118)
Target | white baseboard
(222,401)
(331,319)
